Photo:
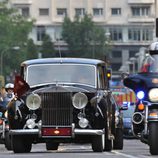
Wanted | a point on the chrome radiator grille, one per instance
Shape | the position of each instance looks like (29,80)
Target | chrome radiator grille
(57,109)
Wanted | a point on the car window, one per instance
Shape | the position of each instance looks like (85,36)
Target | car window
(61,73)
(101,78)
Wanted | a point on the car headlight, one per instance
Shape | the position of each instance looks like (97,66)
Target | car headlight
(153,95)
(79,100)
(6,114)
(33,101)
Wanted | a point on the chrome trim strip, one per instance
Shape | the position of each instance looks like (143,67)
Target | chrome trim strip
(23,131)
(89,131)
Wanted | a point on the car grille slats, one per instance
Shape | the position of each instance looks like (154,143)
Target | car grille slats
(57,109)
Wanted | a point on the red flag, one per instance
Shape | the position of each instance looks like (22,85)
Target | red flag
(20,86)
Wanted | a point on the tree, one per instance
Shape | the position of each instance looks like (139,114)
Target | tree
(47,47)
(14,30)
(84,38)
(31,50)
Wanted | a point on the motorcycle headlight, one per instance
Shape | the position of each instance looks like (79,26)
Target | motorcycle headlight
(79,100)
(33,101)
(153,95)
(140,95)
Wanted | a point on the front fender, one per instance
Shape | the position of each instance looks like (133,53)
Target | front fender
(16,114)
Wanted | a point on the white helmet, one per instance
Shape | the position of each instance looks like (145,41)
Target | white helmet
(9,86)
(153,46)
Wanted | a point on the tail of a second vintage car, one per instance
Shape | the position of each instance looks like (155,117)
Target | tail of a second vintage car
(145,86)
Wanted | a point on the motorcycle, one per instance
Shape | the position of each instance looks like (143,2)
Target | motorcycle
(4,131)
(145,86)
(5,138)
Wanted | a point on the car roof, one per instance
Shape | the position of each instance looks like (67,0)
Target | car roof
(63,60)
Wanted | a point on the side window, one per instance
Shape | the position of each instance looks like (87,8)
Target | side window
(22,72)
(101,78)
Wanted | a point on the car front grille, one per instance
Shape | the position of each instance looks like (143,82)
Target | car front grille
(57,109)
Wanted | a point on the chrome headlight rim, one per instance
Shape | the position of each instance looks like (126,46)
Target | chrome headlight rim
(79,100)
(153,95)
(33,101)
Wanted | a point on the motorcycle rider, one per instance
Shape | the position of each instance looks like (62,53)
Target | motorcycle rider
(150,63)
(145,86)
(7,96)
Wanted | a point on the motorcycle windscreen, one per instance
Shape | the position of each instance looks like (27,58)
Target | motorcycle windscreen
(132,82)
(20,86)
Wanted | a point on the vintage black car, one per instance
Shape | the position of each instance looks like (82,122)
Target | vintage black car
(62,100)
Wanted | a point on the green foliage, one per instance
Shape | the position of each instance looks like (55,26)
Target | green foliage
(84,38)
(14,30)
(32,52)
(47,47)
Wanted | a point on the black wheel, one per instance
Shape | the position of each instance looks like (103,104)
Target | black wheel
(108,142)
(98,143)
(7,141)
(52,145)
(153,138)
(118,141)
(21,144)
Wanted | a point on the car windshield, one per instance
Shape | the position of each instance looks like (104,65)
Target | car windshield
(150,64)
(61,73)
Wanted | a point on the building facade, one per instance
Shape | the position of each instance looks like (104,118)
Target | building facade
(130,24)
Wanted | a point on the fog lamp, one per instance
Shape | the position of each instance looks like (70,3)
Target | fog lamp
(83,122)
(30,123)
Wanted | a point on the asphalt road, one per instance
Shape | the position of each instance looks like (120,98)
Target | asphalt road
(133,148)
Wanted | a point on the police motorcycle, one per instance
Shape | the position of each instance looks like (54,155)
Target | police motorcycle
(145,86)
(4,126)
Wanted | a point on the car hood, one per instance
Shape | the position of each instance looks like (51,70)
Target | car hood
(63,88)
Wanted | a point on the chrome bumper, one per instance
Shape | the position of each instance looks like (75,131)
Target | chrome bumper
(88,131)
(24,131)
(38,132)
